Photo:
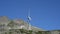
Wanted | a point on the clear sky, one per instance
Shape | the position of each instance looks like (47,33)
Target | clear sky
(44,13)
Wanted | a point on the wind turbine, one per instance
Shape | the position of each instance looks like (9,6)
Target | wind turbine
(29,19)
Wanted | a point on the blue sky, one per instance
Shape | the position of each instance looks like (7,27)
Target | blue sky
(44,13)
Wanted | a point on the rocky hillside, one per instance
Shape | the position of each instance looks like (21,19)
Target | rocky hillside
(19,26)
(7,25)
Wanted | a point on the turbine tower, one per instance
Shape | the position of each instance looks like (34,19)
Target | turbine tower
(29,19)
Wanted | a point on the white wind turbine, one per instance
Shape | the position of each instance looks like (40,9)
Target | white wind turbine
(29,19)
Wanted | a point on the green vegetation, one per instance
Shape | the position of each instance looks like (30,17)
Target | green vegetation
(11,24)
(22,31)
